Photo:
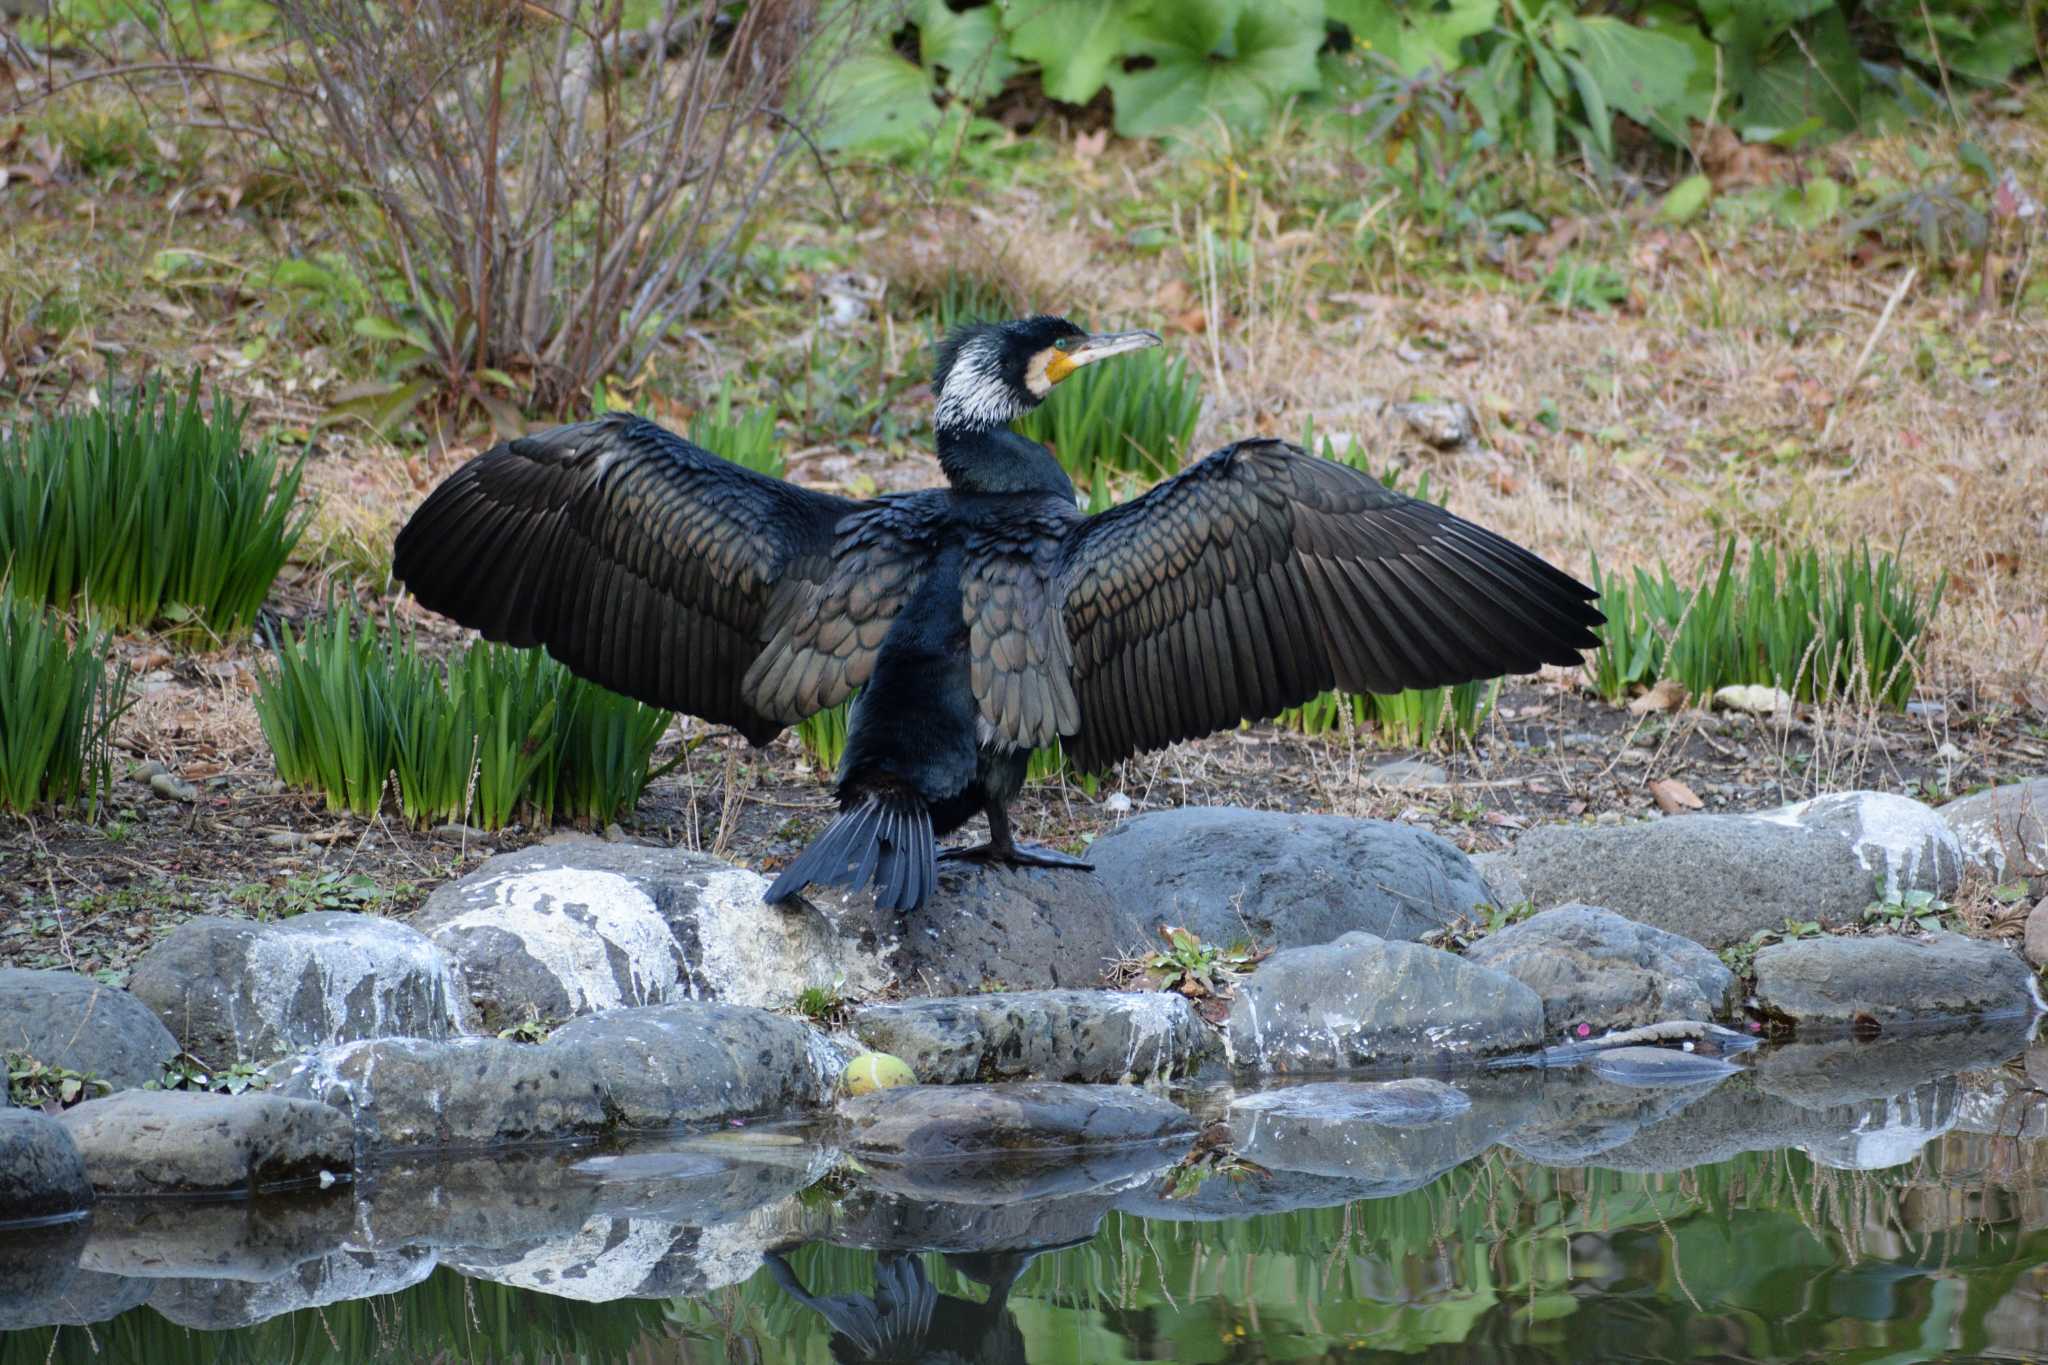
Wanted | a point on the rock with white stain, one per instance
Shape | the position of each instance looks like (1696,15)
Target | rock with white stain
(1755,699)
(1040,1035)
(652,1067)
(1879,1134)
(1392,1137)
(1832,1072)
(235,990)
(569,928)
(2004,830)
(942,1126)
(144,1142)
(66,1020)
(1906,846)
(1890,979)
(218,1305)
(1370,1002)
(1281,880)
(1592,967)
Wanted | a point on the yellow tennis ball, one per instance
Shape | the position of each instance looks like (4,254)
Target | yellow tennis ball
(877,1071)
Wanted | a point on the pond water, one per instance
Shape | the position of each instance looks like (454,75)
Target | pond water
(1838,1202)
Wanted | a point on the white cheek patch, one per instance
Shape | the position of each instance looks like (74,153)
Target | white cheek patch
(1035,377)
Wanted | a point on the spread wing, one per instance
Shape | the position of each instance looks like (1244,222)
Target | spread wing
(1019,660)
(1262,575)
(657,569)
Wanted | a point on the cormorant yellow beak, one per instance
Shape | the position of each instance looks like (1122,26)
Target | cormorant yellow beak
(1080,351)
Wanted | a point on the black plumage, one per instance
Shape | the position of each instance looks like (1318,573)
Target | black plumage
(980,620)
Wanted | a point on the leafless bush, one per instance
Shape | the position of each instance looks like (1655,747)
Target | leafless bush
(552,190)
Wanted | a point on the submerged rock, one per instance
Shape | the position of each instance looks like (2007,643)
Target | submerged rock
(1844,1071)
(1648,1067)
(252,1241)
(652,1067)
(1715,879)
(218,1305)
(927,1123)
(1283,880)
(143,1142)
(1391,1145)
(1040,1035)
(42,1285)
(1593,967)
(1577,1115)
(1368,1002)
(1404,1102)
(66,1020)
(42,1174)
(239,991)
(1890,1132)
(979,1203)
(2004,831)
(1892,978)
(1906,846)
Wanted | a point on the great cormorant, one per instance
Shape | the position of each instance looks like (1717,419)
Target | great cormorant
(980,620)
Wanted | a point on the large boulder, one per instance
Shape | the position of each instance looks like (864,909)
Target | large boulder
(1892,979)
(923,1124)
(1040,1035)
(1232,875)
(1590,966)
(564,929)
(1716,879)
(42,1175)
(1364,1001)
(652,1067)
(235,990)
(1904,845)
(66,1020)
(2004,830)
(143,1142)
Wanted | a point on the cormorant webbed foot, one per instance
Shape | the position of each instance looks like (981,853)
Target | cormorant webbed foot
(1014,855)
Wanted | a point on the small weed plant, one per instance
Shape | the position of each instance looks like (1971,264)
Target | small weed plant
(149,508)
(32,1084)
(186,1072)
(1909,911)
(310,891)
(827,1005)
(1740,958)
(1835,627)
(58,705)
(480,738)
(1188,966)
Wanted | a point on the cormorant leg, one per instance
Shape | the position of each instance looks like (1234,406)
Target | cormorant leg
(1001,848)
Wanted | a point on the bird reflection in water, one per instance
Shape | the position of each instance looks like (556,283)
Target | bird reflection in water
(908,1320)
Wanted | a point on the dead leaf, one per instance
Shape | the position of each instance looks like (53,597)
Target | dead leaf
(1088,146)
(1668,695)
(1674,797)
(1194,321)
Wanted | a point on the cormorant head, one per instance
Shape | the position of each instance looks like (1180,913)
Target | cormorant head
(990,373)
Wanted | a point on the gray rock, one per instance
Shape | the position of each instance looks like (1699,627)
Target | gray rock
(994,928)
(1591,966)
(38,1269)
(1891,978)
(1905,846)
(1407,772)
(1716,879)
(218,1305)
(979,1204)
(42,1175)
(612,1257)
(238,991)
(1368,1002)
(569,928)
(143,1142)
(2004,830)
(1658,1067)
(1881,1134)
(1040,1035)
(1337,1138)
(1504,889)
(652,1067)
(1738,1119)
(1233,875)
(1577,1115)
(505,1198)
(250,1240)
(928,1123)
(1839,1072)
(1407,1102)
(2037,933)
(66,1020)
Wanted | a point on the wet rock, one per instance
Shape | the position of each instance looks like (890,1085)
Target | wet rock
(1716,879)
(1838,1072)
(1993,1103)
(612,1257)
(1040,1035)
(143,1142)
(239,991)
(1891,978)
(569,928)
(1593,967)
(520,1198)
(1240,1192)
(926,1123)
(1280,880)
(987,1203)
(2004,830)
(1575,1116)
(41,1284)
(652,1067)
(986,928)
(42,1175)
(1404,1102)
(1906,846)
(1333,1134)
(1368,1002)
(1655,1067)
(218,1305)
(1504,888)
(66,1020)
(1880,1134)
(1739,1118)
(249,1240)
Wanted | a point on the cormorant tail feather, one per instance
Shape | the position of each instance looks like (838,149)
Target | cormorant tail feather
(886,838)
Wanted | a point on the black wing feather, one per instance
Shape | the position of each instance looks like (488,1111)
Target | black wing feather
(1262,575)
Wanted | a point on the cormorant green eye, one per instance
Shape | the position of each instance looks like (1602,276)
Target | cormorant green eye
(1065,344)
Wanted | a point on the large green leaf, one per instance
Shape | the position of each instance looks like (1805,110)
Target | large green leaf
(1076,43)
(1230,59)
(1646,75)
(1416,36)
(1784,83)
(1752,23)
(875,101)
(968,46)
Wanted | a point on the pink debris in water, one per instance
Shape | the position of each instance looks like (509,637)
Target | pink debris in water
(1585,1030)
